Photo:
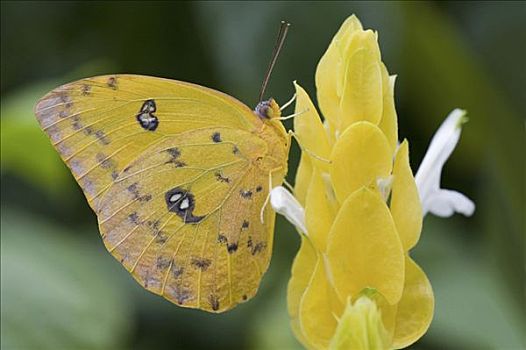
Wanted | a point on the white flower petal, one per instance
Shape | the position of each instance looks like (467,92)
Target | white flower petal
(445,203)
(287,205)
(435,200)
(440,148)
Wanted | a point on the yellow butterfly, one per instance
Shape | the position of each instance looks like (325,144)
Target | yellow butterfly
(178,175)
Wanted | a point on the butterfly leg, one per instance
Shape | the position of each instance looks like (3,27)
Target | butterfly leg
(269,190)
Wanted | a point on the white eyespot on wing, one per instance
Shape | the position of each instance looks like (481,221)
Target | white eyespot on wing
(175,197)
(185,203)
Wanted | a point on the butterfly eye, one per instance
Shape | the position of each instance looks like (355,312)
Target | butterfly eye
(268,109)
(262,110)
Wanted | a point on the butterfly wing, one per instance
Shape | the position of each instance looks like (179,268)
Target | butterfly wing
(177,175)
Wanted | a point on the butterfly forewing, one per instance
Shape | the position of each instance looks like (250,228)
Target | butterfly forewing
(177,175)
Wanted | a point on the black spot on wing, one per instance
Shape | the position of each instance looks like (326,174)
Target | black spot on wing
(177,271)
(134,190)
(112,83)
(214,302)
(147,120)
(258,247)
(201,263)
(246,194)
(245,224)
(161,237)
(85,89)
(179,293)
(216,137)
(174,153)
(88,130)
(182,203)
(145,198)
(163,262)
(104,161)
(231,248)
(221,178)
(154,225)
(75,123)
(134,218)
(102,137)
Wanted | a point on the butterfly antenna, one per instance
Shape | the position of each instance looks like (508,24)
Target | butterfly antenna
(283,29)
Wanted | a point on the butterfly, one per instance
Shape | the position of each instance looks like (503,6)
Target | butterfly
(178,175)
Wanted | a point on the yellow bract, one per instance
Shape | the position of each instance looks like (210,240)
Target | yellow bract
(319,212)
(364,250)
(318,299)
(362,86)
(389,124)
(405,202)
(309,129)
(302,270)
(362,209)
(303,176)
(360,157)
(330,72)
(415,309)
(178,175)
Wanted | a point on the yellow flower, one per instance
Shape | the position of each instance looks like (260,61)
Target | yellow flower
(358,207)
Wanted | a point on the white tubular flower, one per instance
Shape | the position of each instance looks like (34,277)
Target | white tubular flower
(287,205)
(439,201)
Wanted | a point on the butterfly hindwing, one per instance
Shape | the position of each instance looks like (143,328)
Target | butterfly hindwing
(177,175)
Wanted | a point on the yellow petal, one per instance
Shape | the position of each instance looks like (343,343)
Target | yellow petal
(362,89)
(360,156)
(415,309)
(360,328)
(318,309)
(364,250)
(303,176)
(309,128)
(329,71)
(302,270)
(319,212)
(388,123)
(406,208)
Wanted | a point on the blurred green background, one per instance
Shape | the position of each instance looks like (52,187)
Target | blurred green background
(60,289)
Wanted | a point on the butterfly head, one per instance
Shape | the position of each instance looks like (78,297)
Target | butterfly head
(268,109)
